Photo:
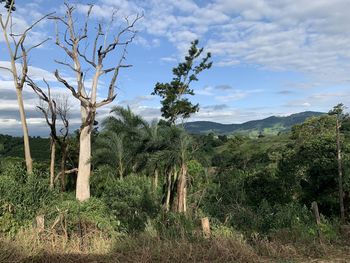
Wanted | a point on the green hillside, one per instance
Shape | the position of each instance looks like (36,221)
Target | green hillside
(269,126)
(13,147)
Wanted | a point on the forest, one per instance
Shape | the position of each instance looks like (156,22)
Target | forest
(128,190)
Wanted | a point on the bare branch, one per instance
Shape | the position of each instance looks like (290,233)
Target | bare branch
(102,52)
(24,66)
(32,47)
(74,170)
(65,64)
(58,18)
(109,27)
(37,90)
(37,22)
(5,68)
(86,23)
(46,116)
(99,33)
(111,95)
(91,62)
(106,71)
(65,83)
(77,95)
(38,45)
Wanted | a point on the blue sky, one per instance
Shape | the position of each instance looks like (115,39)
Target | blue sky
(270,57)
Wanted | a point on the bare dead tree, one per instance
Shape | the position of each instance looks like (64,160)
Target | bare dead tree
(50,114)
(63,110)
(102,47)
(18,53)
(54,107)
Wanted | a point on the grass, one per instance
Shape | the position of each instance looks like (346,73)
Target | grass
(31,246)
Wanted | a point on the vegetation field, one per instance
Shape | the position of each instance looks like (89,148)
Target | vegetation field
(123,189)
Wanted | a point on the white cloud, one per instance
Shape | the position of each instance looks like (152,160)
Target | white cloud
(320,100)
(228,114)
(206,91)
(237,95)
(273,35)
(169,59)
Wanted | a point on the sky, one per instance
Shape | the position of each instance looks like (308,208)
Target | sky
(270,57)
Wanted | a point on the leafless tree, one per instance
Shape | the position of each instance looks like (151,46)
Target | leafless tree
(63,111)
(51,108)
(50,113)
(18,53)
(101,47)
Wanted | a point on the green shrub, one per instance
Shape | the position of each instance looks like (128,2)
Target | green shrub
(22,196)
(174,226)
(130,199)
(80,217)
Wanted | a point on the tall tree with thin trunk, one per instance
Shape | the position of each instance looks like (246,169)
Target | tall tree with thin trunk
(102,46)
(52,108)
(50,113)
(63,109)
(18,55)
(175,105)
(338,112)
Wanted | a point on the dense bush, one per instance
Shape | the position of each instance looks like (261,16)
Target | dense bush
(130,200)
(69,216)
(22,195)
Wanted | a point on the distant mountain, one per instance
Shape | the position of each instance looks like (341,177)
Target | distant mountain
(270,125)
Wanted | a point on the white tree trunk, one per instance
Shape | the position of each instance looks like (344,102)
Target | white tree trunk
(181,190)
(168,192)
(155,180)
(27,155)
(84,168)
(52,163)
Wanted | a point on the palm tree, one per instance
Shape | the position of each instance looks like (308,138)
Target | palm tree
(128,143)
(172,158)
(120,141)
(152,143)
(113,152)
(125,121)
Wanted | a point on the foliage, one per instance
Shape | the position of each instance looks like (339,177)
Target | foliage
(80,218)
(130,200)
(120,139)
(252,189)
(310,167)
(273,125)
(13,147)
(173,94)
(22,196)
(175,226)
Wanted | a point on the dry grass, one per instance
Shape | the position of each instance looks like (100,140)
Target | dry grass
(31,246)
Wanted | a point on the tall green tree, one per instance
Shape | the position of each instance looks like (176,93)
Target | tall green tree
(175,105)
(340,116)
(173,94)
(309,168)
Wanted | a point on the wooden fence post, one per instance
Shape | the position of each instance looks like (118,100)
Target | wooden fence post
(314,207)
(206,227)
